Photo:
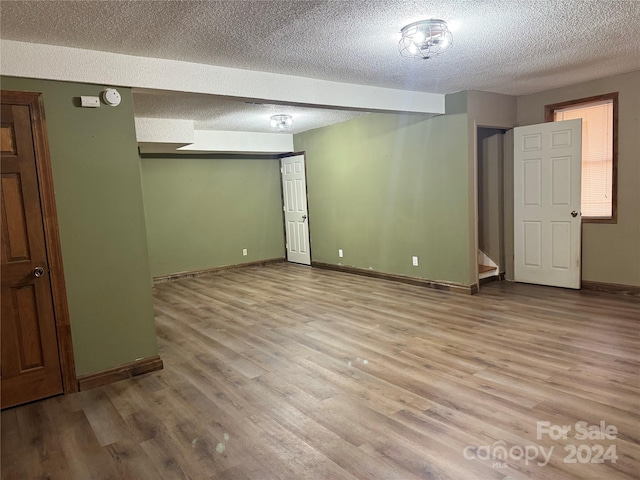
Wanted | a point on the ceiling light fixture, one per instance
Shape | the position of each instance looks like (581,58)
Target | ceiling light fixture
(282,122)
(425,39)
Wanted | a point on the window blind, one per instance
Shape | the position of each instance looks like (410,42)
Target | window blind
(597,155)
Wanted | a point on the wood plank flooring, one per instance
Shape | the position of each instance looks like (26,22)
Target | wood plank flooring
(290,372)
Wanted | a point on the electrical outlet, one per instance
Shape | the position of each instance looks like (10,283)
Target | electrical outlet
(415,261)
(340,253)
(244,252)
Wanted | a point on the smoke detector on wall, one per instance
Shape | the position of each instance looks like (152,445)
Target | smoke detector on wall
(111,97)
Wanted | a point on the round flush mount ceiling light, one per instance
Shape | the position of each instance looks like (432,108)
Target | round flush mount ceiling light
(425,39)
(282,122)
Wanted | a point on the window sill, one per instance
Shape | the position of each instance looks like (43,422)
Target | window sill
(610,220)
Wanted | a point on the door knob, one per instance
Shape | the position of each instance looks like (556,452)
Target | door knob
(38,272)
(574,214)
(304,217)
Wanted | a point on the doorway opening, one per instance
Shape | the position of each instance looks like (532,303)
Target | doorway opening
(491,204)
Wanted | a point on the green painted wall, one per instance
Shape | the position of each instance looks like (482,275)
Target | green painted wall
(201,213)
(96,176)
(387,187)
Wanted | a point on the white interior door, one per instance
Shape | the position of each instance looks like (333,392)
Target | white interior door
(296,215)
(547,224)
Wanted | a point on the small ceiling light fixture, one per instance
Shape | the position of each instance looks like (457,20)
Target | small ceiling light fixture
(425,39)
(282,122)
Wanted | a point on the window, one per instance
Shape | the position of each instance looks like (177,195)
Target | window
(599,152)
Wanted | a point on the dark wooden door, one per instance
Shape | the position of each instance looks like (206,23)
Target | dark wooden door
(30,358)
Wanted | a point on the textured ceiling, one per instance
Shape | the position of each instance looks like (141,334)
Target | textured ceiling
(214,113)
(507,46)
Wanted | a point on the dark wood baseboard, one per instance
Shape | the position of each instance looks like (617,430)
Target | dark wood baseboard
(121,372)
(630,290)
(493,278)
(198,273)
(450,287)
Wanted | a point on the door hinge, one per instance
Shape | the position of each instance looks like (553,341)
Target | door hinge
(284,208)
(281,170)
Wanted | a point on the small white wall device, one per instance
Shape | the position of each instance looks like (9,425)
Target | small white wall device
(89,102)
(111,97)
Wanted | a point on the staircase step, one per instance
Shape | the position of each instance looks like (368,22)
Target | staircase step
(485,268)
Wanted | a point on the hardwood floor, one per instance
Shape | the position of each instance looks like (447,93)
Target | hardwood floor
(289,372)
